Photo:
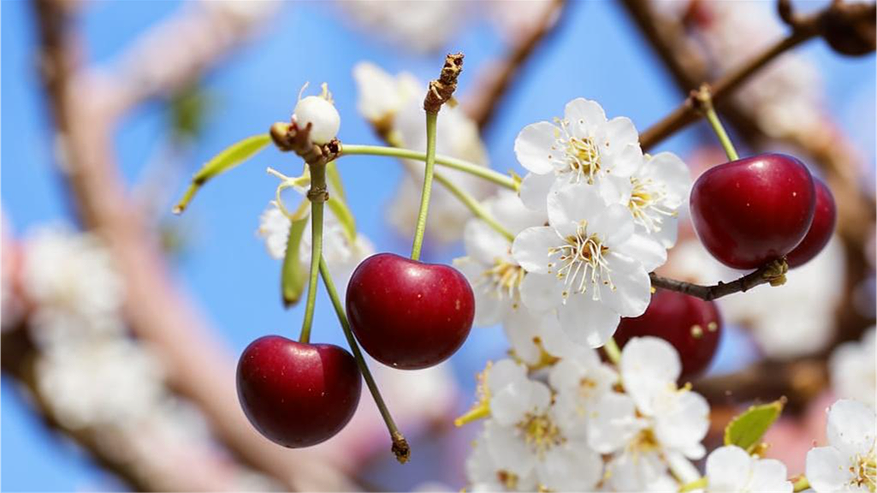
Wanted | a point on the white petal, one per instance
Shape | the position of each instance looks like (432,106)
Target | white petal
(632,287)
(587,322)
(649,367)
(574,467)
(682,421)
(511,403)
(510,211)
(581,111)
(483,243)
(621,132)
(570,204)
(673,172)
(728,469)
(541,292)
(647,249)
(851,427)
(770,475)
(827,470)
(505,372)
(508,449)
(531,248)
(534,190)
(614,225)
(624,162)
(521,329)
(612,423)
(534,146)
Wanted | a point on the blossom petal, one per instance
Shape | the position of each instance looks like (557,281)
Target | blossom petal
(541,292)
(581,112)
(533,147)
(646,249)
(621,132)
(586,321)
(522,329)
(569,204)
(612,423)
(770,475)
(624,162)
(574,467)
(508,450)
(484,244)
(728,468)
(630,292)
(670,170)
(534,190)
(682,421)
(851,427)
(827,469)
(531,248)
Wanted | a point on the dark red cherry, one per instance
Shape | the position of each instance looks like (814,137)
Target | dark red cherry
(693,326)
(753,210)
(408,314)
(821,228)
(295,394)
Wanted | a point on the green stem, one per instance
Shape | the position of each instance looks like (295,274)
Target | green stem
(719,130)
(474,206)
(318,182)
(400,445)
(612,351)
(697,484)
(454,163)
(801,484)
(425,193)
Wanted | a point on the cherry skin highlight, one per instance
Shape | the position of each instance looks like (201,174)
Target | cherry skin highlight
(693,326)
(753,210)
(409,314)
(295,394)
(824,219)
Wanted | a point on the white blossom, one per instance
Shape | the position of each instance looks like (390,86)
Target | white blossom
(853,369)
(75,290)
(652,427)
(342,255)
(320,113)
(659,188)
(584,264)
(731,469)
(849,462)
(410,24)
(109,382)
(583,147)
(380,95)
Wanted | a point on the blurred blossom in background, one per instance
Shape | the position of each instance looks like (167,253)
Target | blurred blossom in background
(121,393)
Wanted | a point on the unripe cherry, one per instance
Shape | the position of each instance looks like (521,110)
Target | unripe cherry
(321,114)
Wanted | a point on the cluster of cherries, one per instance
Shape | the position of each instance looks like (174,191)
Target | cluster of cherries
(406,314)
(409,315)
(746,213)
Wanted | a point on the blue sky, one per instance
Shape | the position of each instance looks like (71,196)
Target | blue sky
(225,268)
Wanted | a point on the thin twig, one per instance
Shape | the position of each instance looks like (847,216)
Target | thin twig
(773,273)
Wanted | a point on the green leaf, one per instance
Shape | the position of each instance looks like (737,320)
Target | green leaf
(293,276)
(344,216)
(746,430)
(232,156)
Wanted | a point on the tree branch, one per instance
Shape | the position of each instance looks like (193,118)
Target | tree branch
(773,273)
(500,76)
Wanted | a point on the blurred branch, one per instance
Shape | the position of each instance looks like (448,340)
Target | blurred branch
(499,76)
(773,272)
(198,367)
(849,29)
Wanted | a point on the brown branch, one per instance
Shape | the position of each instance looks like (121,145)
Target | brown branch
(501,75)
(832,23)
(773,273)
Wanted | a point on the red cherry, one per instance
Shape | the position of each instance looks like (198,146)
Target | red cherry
(820,230)
(753,210)
(295,394)
(693,326)
(408,314)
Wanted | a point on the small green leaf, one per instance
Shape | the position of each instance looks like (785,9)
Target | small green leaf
(746,430)
(232,156)
(293,276)
(344,216)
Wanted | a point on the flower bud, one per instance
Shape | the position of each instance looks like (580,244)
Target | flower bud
(321,114)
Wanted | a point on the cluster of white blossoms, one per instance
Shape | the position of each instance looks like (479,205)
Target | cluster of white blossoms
(92,374)
(582,425)
(601,217)
(849,461)
(853,369)
(394,107)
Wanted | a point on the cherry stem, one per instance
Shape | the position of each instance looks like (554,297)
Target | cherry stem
(697,484)
(473,169)
(400,445)
(704,103)
(801,484)
(612,351)
(317,195)
(474,206)
(431,118)
(772,272)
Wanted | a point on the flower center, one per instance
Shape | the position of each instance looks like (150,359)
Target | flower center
(541,433)
(864,471)
(503,278)
(583,262)
(645,441)
(507,479)
(584,158)
(647,204)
